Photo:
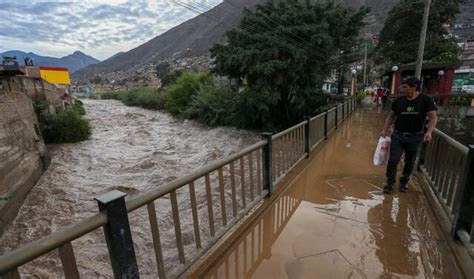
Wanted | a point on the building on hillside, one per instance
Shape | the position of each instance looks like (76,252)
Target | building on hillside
(330,82)
(463,32)
(103,88)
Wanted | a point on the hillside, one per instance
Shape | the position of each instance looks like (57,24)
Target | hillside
(73,62)
(196,36)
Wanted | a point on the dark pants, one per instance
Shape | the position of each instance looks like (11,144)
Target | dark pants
(402,143)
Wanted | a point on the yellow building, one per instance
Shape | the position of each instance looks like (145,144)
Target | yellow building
(55,75)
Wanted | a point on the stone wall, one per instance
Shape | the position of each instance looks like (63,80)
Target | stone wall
(22,149)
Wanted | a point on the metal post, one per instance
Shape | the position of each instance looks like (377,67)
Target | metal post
(365,65)
(464,208)
(421,45)
(343,112)
(336,116)
(306,136)
(267,163)
(118,235)
(326,125)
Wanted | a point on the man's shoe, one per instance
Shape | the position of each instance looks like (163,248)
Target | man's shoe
(403,188)
(388,189)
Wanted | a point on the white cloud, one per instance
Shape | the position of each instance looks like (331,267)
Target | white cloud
(98,28)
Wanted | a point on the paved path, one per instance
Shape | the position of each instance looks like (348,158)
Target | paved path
(333,221)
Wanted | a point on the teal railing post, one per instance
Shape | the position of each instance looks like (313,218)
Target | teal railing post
(306,136)
(118,235)
(267,163)
(326,125)
(464,207)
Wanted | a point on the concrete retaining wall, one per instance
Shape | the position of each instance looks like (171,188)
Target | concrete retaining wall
(21,146)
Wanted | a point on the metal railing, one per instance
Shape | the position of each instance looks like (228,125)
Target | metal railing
(240,181)
(288,150)
(448,167)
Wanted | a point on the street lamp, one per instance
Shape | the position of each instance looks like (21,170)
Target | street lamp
(394,71)
(440,76)
(353,81)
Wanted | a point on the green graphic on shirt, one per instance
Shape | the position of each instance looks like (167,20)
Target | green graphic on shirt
(410,109)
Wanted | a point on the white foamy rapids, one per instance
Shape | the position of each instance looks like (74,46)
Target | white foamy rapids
(132,150)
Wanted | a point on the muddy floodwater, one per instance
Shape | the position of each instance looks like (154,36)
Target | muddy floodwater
(132,150)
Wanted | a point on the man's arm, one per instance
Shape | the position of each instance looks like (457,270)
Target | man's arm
(388,123)
(431,125)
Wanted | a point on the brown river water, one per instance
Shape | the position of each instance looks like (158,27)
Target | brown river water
(133,150)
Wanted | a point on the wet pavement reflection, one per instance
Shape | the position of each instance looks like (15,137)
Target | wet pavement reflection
(333,221)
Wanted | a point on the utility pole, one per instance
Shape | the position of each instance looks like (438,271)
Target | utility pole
(365,65)
(421,46)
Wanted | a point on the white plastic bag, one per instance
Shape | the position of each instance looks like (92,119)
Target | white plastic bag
(382,151)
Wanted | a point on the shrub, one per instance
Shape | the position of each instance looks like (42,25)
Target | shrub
(179,95)
(65,127)
(360,97)
(171,78)
(459,101)
(79,107)
(149,99)
(112,95)
(214,105)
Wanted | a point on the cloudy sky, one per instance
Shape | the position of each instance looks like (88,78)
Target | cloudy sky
(97,28)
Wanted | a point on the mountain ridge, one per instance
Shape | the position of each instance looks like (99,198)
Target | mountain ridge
(75,61)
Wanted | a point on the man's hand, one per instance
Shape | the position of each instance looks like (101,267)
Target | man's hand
(427,137)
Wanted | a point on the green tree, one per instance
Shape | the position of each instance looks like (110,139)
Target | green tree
(178,96)
(284,50)
(162,69)
(171,78)
(400,35)
(96,80)
(214,104)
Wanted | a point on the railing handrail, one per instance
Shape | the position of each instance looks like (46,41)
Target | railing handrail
(39,247)
(280,134)
(317,116)
(456,144)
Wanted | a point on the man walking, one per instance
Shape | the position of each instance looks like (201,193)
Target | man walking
(409,113)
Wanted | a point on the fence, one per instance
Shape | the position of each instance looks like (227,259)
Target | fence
(240,181)
(449,169)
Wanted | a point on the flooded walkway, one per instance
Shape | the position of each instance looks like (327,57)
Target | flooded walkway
(333,221)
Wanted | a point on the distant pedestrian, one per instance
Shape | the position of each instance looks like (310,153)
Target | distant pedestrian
(380,94)
(409,113)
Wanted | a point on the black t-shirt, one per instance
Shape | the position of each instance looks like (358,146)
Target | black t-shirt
(411,114)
